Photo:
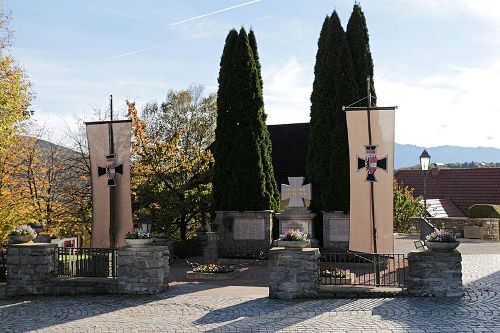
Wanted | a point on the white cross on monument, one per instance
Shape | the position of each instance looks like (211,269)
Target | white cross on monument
(296,192)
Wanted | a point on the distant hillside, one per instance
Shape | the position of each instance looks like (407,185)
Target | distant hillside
(408,155)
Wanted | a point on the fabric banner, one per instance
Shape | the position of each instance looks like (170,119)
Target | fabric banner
(371,158)
(110,165)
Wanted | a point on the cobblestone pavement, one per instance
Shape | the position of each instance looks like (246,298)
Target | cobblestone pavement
(181,309)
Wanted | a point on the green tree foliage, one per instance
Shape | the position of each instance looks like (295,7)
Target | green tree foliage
(359,43)
(334,87)
(405,206)
(243,173)
(171,161)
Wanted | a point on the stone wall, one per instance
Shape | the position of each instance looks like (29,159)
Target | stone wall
(293,273)
(32,271)
(489,226)
(30,267)
(336,231)
(435,273)
(244,233)
(142,270)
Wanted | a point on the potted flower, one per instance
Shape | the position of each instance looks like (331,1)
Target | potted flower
(294,239)
(441,241)
(138,238)
(22,234)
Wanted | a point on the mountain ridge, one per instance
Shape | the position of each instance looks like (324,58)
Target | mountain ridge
(407,155)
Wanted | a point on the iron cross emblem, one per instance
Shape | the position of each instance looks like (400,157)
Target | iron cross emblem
(111,169)
(371,163)
(296,192)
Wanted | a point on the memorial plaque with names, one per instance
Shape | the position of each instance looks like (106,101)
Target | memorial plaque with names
(339,229)
(249,229)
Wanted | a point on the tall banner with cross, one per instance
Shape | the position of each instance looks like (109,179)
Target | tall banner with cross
(109,149)
(371,158)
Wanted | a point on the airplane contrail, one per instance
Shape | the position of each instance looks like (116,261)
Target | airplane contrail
(132,52)
(216,12)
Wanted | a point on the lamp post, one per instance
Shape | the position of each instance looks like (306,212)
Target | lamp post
(147,225)
(425,160)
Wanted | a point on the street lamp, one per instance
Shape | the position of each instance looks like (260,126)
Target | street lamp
(147,225)
(425,160)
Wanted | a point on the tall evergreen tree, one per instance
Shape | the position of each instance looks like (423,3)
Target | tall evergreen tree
(242,152)
(272,191)
(223,144)
(334,87)
(359,42)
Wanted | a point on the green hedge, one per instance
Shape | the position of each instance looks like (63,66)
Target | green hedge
(483,210)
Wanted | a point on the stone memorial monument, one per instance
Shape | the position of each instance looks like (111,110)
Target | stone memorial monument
(296,216)
(336,231)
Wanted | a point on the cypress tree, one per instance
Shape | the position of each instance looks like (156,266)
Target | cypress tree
(223,144)
(241,155)
(272,192)
(334,87)
(359,42)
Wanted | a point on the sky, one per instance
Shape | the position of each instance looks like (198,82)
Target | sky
(437,60)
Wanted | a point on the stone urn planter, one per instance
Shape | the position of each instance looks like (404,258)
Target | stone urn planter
(441,246)
(293,244)
(21,239)
(138,242)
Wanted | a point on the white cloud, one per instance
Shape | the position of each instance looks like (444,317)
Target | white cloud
(456,108)
(287,91)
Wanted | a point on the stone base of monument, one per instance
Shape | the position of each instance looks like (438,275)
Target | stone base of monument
(246,234)
(336,231)
(298,218)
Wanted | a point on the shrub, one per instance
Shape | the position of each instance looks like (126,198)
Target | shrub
(483,210)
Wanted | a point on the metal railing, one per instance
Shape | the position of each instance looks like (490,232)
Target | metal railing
(369,269)
(86,262)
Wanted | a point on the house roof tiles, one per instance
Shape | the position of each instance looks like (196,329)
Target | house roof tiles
(464,187)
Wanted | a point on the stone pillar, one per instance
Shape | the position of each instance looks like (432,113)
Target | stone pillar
(30,267)
(293,273)
(211,251)
(435,273)
(142,270)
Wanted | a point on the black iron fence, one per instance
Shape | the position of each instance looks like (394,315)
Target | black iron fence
(369,269)
(86,262)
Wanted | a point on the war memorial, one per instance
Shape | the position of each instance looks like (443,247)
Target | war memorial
(317,253)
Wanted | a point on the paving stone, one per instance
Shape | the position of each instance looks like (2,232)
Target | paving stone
(183,311)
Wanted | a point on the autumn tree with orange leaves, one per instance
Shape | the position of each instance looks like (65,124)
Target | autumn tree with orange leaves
(171,161)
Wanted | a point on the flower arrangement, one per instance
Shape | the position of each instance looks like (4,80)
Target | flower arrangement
(294,235)
(336,274)
(213,268)
(23,230)
(139,234)
(442,237)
